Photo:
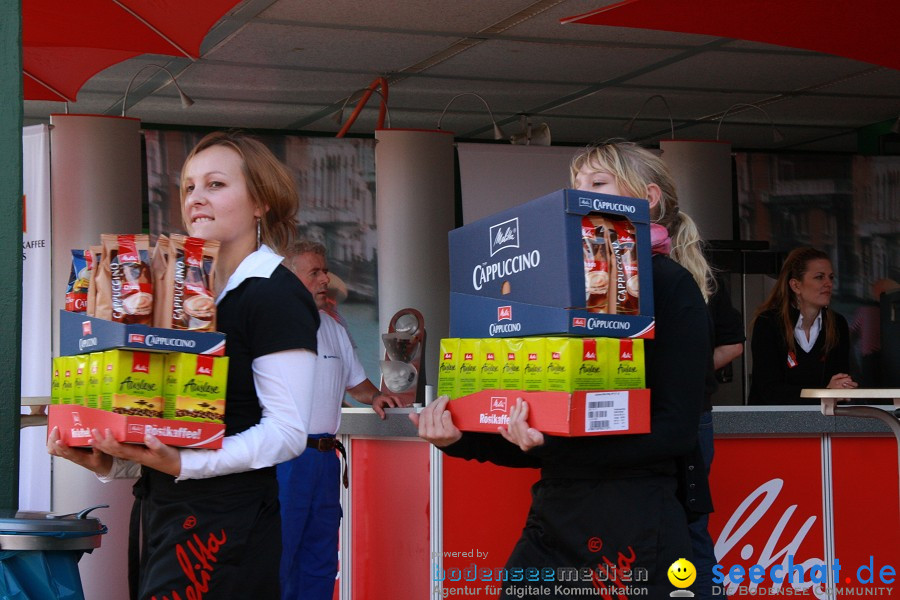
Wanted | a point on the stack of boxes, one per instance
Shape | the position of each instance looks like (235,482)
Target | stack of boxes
(527,323)
(138,380)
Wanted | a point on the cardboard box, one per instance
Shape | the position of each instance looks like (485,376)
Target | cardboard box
(75,424)
(581,413)
(532,253)
(480,317)
(79,334)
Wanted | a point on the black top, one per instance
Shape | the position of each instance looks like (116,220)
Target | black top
(261,316)
(774,381)
(677,361)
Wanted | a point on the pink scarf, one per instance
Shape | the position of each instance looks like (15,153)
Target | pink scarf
(660,243)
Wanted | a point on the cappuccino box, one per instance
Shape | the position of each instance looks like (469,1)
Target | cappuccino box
(448,367)
(520,272)
(493,358)
(132,383)
(580,413)
(194,387)
(511,379)
(75,424)
(79,334)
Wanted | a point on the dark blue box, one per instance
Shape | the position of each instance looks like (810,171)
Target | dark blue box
(81,334)
(529,260)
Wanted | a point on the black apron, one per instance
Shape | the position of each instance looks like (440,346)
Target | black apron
(216,538)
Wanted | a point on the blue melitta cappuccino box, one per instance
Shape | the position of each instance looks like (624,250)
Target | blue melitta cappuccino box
(524,271)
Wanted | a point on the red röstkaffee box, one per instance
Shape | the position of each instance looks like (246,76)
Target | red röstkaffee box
(602,412)
(75,423)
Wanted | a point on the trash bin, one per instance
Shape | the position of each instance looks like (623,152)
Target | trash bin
(39,553)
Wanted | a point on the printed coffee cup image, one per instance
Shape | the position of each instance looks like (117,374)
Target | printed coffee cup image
(400,346)
(597,282)
(398,376)
(200,310)
(140,303)
(632,286)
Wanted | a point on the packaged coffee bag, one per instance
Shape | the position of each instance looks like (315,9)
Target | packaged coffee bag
(126,261)
(77,289)
(190,298)
(96,253)
(159,268)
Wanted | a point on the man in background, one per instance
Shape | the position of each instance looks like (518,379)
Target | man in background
(309,485)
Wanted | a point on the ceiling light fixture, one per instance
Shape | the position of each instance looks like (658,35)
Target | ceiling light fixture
(776,134)
(186,100)
(531,136)
(498,133)
(668,110)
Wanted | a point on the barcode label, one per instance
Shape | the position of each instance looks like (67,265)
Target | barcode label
(606,411)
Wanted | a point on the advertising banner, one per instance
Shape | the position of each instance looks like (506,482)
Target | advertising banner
(34,462)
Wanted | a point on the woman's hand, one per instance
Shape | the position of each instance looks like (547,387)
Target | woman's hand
(518,432)
(89,458)
(841,381)
(435,423)
(153,454)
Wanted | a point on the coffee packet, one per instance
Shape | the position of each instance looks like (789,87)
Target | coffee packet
(56,379)
(448,367)
(96,253)
(621,238)
(77,288)
(190,297)
(468,380)
(626,363)
(596,263)
(534,373)
(194,387)
(492,356)
(159,269)
(128,298)
(514,366)
(132,383)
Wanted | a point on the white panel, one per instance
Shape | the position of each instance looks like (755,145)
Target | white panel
(414,183)
(495,177)
(96,188)
(702,173)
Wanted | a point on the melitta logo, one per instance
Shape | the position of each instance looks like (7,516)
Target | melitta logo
(579,322)
(510,356)
(589,350)
(448,356)
(489,356)
(532,356)
(556,356)
(85,328)
(626,349)
(127,250)
(602,205)
(499,404)
(469,356)
(140,362)
(504,235)
(135,338)
(204,365)
(504,313)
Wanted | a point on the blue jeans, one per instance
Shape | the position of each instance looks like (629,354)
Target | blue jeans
(701,542)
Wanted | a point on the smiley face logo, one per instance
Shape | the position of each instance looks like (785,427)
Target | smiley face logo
(682,573)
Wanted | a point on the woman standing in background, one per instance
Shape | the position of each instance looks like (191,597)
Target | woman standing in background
(798,341)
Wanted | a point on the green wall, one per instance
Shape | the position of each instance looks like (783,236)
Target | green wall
(10,247)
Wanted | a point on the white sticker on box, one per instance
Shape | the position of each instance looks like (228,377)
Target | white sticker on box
(606,411)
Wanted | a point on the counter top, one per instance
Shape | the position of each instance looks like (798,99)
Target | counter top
(727,420)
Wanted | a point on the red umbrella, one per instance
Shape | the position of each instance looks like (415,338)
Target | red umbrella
(66,42)
(862,30)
